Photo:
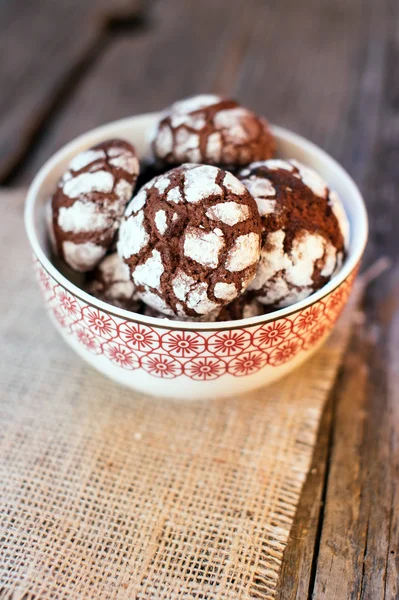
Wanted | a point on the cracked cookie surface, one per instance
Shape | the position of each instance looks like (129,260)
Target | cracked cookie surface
(110,281)
(191,238)
(89,202)
(209,129)
(305,231)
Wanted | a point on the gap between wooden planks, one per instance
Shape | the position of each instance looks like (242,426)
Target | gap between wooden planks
(332,81)
(49,48)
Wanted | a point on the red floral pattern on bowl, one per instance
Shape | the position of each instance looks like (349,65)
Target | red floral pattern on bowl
(191,360)
(200,356)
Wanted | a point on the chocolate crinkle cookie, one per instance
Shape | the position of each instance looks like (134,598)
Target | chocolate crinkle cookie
(149,170)
(111,282)
(89,202)
(191,239)
(242,307)
(211,130)
(305,231)
(149,311)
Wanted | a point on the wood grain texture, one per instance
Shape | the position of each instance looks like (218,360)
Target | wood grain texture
(324,94)
(339,566)
(392,416)
(358,555)
(359,546)
(296,572)
(146,72)
(46,44)
(326,69)
(192,47)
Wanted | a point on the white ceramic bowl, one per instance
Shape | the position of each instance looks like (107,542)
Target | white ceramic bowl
(182,359)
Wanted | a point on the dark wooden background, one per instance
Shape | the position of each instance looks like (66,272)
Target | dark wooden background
(328,69)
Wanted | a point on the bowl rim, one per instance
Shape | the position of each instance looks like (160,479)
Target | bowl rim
(350,264)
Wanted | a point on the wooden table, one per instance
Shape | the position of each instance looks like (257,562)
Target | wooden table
(327,69)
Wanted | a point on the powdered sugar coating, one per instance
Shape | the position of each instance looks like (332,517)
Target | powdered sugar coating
(163,143)
(181,284)
(111,283)
(203,247)
(193,293)
(303,241)
(209,317)
(156,302)
(86,183)
(330,259)
(132,235)
(186,146)
(161,183)
(284,278)
(174,195)
(90,200)
(149,273)
(306,250)
(280,294)
(299,263)
(226,291)
(212,130)
(311,179)
(244,253)
(188,238)
(66,177)
(125,161)
(200,183)
(82,256)
(262,190)
(241,308)
(308,176)
(137,202)
(233,184)
(196,122)
(85,158)
(123,190)
(230,213)
(198,301)
(114,269)
(83,216)
(194,103)
(273,164)
(214,147)
(160,221)
(265,207)
(233,121)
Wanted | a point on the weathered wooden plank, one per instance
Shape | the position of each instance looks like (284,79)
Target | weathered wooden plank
(302,66)
(44,44)
(177,55)
(296,568)
(193,47)
(333,95)
(359,543)
(392,555)
(316,94)
(339,566)
(299,564)
(325,70)
(316,86)
(381,467)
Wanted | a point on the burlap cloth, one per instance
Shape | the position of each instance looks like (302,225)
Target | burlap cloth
(109,494)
